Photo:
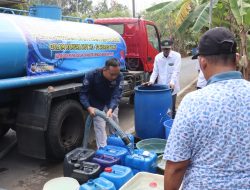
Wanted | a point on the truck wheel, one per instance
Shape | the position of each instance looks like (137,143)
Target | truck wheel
(65,128)
(3,129)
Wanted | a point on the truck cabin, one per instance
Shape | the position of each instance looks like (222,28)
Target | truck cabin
(142,39)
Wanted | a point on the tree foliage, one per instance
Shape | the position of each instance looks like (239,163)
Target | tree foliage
(115,10)
(190,18)
(85,8)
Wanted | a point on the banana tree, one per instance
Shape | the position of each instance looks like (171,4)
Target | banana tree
(241,12)
(179,17)
(192,15)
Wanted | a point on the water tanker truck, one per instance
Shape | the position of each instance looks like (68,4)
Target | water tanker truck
(42,62)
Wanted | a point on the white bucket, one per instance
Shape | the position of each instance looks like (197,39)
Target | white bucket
(62,183)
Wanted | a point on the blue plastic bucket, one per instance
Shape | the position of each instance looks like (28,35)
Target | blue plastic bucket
(168,125)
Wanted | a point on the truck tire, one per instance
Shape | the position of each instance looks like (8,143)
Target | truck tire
(65,129)
(3,129)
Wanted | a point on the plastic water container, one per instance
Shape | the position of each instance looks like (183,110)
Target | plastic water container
(62,183)
(117,174)
(106,161)
(85,171)
(168,125)
(76,156)
(152,104)
(142,161)
(42,11)
(115,151)
(98,184)
(145,181)
(117,141)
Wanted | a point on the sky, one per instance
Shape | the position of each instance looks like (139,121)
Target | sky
(140,5)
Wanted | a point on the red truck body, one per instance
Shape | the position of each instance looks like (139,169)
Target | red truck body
(142,39)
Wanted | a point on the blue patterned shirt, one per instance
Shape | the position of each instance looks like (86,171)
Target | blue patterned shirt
(212,130)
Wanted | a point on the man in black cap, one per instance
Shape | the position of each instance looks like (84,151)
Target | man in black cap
(166,70)
(209,146)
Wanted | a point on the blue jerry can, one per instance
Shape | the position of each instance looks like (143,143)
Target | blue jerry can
(142,161)
(97,184)
(115,151)
(106,161)
(117,141)
(117,174)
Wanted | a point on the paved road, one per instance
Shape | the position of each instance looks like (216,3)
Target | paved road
(188,71)
(18,172)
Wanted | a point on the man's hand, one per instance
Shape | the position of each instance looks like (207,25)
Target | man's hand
(147,84)
(171,85)
(91,111)
(109,113)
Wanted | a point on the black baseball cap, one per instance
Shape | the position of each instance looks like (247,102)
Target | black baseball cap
(216,41)
(166,44)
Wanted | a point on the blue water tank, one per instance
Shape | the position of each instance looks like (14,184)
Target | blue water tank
(43,11)
(151,107)
(37,51)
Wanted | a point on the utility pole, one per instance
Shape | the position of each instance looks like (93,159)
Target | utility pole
(210,13)
(133,7)
(77,8)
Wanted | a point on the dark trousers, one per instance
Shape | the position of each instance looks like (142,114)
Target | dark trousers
(173,105)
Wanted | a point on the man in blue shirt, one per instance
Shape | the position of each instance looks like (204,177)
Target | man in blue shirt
(209,144)
(102,89)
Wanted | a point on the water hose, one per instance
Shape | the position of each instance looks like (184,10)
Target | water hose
(88,124)
(111,122)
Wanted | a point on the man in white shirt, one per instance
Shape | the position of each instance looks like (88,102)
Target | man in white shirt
(201,82)
(166,70)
